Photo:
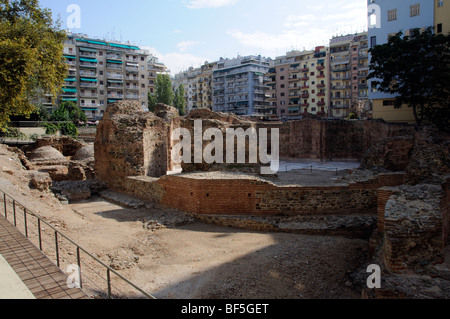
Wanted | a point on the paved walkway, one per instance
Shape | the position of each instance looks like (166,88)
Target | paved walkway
(26,273)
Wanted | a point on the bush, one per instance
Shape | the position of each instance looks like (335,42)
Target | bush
(66,128)
(12,132)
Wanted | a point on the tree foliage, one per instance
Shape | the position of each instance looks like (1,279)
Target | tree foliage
(31,57)
(163,92)
(68,112)
(416,69)
(179,101)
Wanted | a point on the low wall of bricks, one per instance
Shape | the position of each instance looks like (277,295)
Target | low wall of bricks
(258,197)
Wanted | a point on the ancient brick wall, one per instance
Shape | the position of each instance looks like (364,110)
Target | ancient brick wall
(247,196)
(130,142)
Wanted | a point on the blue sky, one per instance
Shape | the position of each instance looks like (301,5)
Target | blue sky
(184,33)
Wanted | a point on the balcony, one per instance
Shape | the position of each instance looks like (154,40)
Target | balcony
(114,75)
(320,85)
(89,95)
(133,96)
(305,87)
(88,54)
(115,86)
(115,96)
(320,103)
(305,78)
(89,84)
(305,70)
(305,104)
(114,56)
(320,67)
(113,66)
(132,69)
(133,88)
(88,74)
(89,105)
(305,96)
(88,64)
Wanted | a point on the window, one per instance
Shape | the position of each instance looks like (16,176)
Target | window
(392,15)
(373,41)
(388,102)
(414,10)
(440,3)
(439,28)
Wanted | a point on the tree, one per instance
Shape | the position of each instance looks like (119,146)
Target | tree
(31,57)
(163,92)
(416,69)
(68,111)
(179,101)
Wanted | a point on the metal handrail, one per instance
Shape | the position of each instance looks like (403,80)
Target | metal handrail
(57,234)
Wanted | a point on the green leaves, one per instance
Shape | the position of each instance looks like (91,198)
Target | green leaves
(179,101)
(31,62)
(416,68)
(163,92)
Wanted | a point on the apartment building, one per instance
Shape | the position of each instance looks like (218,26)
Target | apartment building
(197,83)
(239,85)
(349,68)
(442,16)
(390,17)
(102,72)
(298,85)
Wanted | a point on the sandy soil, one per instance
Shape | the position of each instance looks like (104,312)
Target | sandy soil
(171,255)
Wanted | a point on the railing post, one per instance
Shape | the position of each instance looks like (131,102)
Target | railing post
(4,204)
(108,278)
(79,265)
(39,234)
(14,213)
(57,250)
(25,222)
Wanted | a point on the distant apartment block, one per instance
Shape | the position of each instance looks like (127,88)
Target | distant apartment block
(395,16)
(298,85)
(349,67)
(239,85)
(442,16)
(197,83)
(103,72)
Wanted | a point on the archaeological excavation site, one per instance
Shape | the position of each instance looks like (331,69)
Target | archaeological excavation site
(348,195)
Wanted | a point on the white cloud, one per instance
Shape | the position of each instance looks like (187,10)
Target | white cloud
(307,30)
(183,46)
(175,61)
(201,4)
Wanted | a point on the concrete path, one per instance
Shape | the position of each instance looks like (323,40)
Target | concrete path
(11,286)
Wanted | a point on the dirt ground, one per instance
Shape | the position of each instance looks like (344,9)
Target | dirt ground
(172,256)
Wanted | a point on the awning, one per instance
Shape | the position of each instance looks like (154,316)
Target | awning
(111,61)
(294,109)
(89,80)
(69,90)
(70,80)
(113,100)
(70,57)
(322,61)
(71,100)
(242,103)
(88,60)
(124,46)
(89,109)
(132,64)
(115,81)
(88,49)
(259,74)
